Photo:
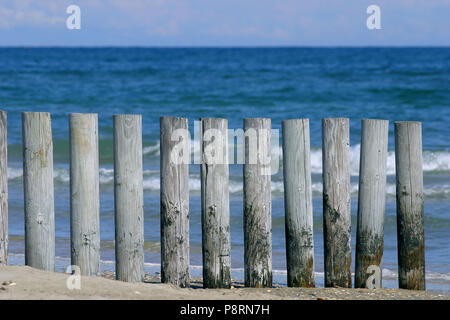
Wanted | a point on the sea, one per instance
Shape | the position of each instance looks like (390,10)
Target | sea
(396,84)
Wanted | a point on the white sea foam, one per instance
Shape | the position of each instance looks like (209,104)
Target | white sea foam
(433,161)
(14,173)
(152,150)
(151,182)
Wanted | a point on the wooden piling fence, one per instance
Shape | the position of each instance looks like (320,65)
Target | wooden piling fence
(174,170)
(410,215)
(3,189)
(298,203)
(38,190)
(84,193)
(371,199)
(128,198)
(336,202)
(216,247)
(257,204)
(215,212)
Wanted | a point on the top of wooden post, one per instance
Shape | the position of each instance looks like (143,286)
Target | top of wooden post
(369,119)
(294,120)
(171,117)
(407,122)
(82,114)
(35,112)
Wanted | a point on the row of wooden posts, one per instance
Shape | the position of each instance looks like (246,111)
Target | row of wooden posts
(216,247)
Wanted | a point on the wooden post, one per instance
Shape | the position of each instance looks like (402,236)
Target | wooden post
(3,189)
(38,190)
(128,198)
(371,198)
(84,193)
(336,202)
(410,216)
(257,204)
(216,247)
(175,156)
(298,203)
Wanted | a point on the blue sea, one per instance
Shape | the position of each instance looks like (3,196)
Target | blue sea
(233,83)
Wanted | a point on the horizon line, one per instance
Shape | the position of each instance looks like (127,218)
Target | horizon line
(219,46)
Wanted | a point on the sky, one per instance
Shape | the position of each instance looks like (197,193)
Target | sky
(225,23)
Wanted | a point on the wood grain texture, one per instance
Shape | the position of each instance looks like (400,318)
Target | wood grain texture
(84,193)
(410,214)
(298,203)
(257,204)
(336,202)
(38,190)
(371,198)
(128,198)
(3,189)
(174,201)
(216,247)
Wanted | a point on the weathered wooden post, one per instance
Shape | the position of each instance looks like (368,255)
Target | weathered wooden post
(216,247)
(128,198)
(84,193)
(336,202)
(175,157)
(410,216)
(298,203)
(3,189)
(257,204)
(38,190)
(371,199)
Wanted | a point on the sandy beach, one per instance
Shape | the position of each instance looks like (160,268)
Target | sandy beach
(22,282)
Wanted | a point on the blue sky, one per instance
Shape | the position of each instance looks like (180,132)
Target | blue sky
(224,23)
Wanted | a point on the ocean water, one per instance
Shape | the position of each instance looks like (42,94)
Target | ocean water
(280,83)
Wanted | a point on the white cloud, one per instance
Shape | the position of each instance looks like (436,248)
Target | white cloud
(31,13)
(207,22)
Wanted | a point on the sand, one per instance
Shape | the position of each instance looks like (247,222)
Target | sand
(22,282)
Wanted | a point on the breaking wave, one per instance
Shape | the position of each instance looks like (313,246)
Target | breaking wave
(151,182)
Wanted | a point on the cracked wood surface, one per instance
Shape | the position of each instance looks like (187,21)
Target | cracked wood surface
(38,190)
(84,193)
(336,202)
(410,214)
(257,205)
(371,198)
(298,203)
(128,198)
(174,201)
(3,189)
(216,247)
